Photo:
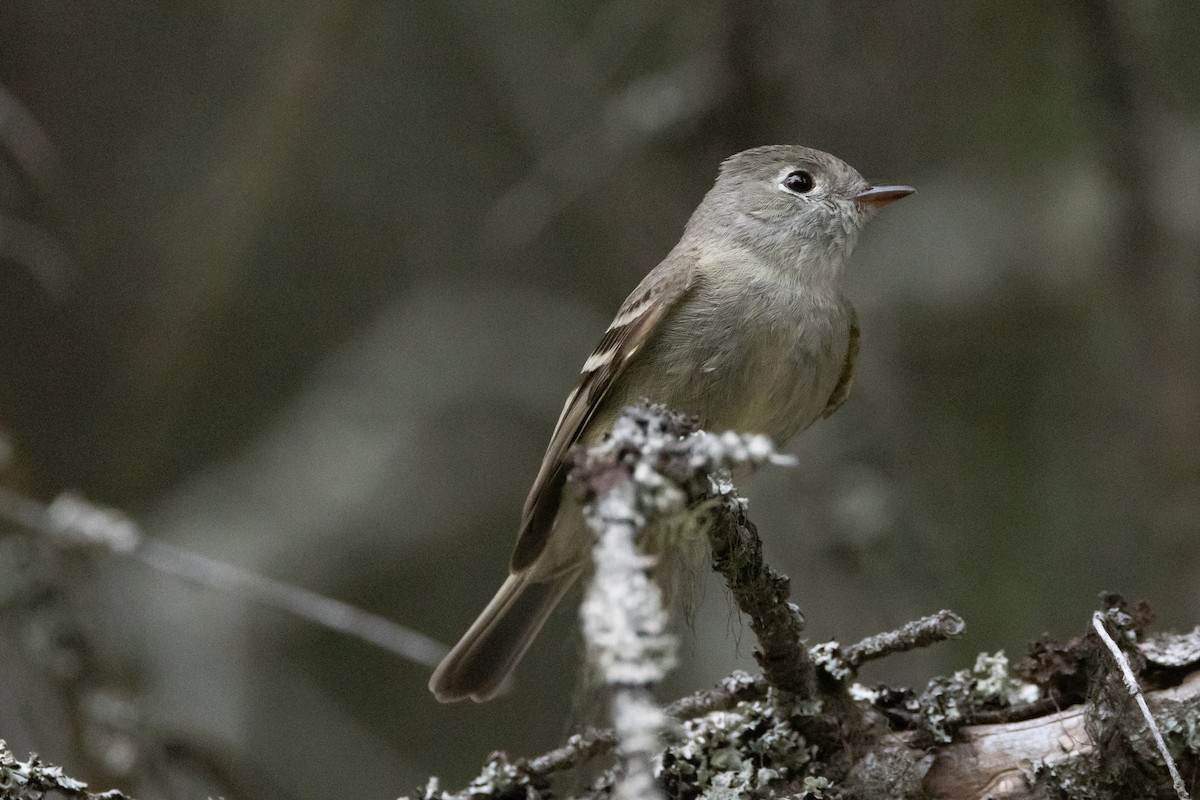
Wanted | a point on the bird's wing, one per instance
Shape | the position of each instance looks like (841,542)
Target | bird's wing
(634,325)
(842,390)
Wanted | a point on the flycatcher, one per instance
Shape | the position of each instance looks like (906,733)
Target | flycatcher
(743,324)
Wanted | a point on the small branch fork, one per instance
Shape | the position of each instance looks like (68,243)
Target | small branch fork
(656,466)
(676,468)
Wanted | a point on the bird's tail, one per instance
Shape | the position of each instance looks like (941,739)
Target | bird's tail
(481,661)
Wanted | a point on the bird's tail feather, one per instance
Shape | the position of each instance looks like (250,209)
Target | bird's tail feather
(481,661)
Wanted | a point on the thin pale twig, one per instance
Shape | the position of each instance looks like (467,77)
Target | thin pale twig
(1131,684)
(72,519)
(298,601)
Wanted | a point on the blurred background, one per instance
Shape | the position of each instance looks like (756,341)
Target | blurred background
(303,285)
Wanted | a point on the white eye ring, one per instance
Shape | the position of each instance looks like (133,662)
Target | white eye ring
(798,182)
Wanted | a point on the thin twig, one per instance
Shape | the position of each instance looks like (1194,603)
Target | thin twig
(762,594)
(500,776)
(71,519)
(918,633)
(296,600)
(1000,716)
(1131,684)
(579,749)
(725,695)
(583,747)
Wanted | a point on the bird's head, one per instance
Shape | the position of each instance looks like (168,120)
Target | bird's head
(789,202)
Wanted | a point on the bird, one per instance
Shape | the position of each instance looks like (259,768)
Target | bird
(744,324)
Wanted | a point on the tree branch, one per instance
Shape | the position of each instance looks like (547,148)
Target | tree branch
(761,593)
(801,729)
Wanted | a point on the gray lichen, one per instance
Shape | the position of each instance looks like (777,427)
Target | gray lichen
(1172,650)
(828,656)
(948,702)
(624,621)
(753,750)
(34,780)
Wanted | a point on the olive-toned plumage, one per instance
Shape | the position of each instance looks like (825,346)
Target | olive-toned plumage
(743,324)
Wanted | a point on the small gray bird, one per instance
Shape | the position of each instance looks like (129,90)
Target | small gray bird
(743,324)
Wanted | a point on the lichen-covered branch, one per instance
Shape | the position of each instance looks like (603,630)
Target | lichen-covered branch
(653,467)
(679,468)
(918,633)
(34,779)
(803,729)
(761,594)
(744,739)
(1060,755)
(625,627)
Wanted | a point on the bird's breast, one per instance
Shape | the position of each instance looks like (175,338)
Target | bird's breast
(757,358)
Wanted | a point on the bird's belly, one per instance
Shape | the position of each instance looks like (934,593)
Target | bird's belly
(772,386)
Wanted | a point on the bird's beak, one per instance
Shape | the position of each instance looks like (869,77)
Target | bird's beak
(881,195)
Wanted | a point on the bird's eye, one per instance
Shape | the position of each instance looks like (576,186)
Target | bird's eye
(799,182)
